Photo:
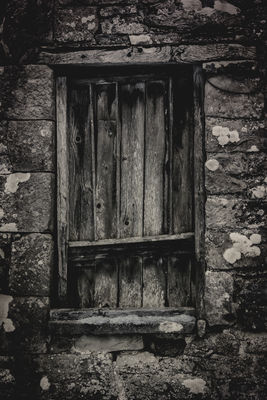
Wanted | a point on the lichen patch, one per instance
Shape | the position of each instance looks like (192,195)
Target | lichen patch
(224,135)
(44,383)
(195,385)
(242,246)
(10,227)
(212,165)
(169,327)
(4,307)
(13,181)
(224,6)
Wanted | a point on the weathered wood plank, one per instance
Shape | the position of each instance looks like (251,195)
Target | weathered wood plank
(85,280)
(139,239)
(154,281)
(82,255)
(155,158)
(132,159)
(182,147)
(106,161)
(80,164)
(179,281)
(199,188)
(106,283)
(101,322)
(130,282)
(62,187)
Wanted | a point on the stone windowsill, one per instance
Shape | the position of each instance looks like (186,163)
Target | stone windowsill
(104,321)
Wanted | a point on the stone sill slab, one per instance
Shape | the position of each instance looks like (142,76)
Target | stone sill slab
(68,322)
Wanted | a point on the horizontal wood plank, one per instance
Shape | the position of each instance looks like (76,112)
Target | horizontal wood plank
(103,321)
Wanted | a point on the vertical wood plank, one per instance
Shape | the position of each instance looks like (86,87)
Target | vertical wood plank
(132,158)
(130,282)
(80,161)
(182,170)
(179,281)
(85,279)
(62,188)
(106,283)
(106,162)
(132,98)
(154,281)
(155,158)
(199,188)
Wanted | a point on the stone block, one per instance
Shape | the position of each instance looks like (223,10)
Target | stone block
(87,344)
(229,135)
(210,52)
(118,10)
(123,25)
(220,102)
(31,265)
(26,202)
(28,317)
(228,212)
(142,376)
(67,376)
(7,379)
(28,92)
(226,173)
(251,299)
(218,298)
(76,24)
(30,145)
(227,250)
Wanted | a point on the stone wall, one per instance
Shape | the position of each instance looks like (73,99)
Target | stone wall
(228,361)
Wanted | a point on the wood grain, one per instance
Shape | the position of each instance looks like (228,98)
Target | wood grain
(130,282)
(80,165)
(182,148)
(154,281)
(106,161)
(179,281)
(155,154)
(132,159)
(62,188)
(106,283)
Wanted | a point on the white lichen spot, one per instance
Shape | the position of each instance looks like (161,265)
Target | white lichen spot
(244,129)
(13,180)
(258,192)
(2,253)
(224,6)
(242,246)
(91,26)
(195,385)
(4,307)
(140,39)
(11,227)
(224,135)
(1,213)
(169,327)
(253,149)
(44,383)
(212,165)
(231,255)
(255,238)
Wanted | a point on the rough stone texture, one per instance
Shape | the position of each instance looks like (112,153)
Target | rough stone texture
(31,265)
(218,298)
(251,135)
(81,377)
(229,212)
(76,24)
(27,92)
(217,242)
(29,316)
(26,202)
(29,146)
